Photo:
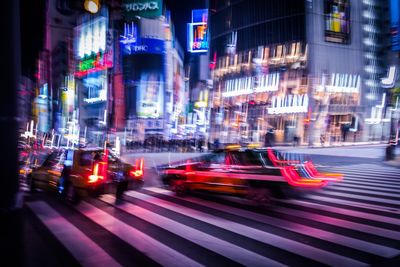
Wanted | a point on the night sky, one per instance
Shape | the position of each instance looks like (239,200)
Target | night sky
(32,27)
(181,11)
(32,24)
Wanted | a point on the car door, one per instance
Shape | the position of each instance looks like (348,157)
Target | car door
(210,172)
(44,176)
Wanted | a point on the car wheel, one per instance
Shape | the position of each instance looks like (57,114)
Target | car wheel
(287,192)
(121,188)
(260,196)
(179,187)
(71,195)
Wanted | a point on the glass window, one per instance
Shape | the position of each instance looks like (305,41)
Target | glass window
(247,158)
(87,157)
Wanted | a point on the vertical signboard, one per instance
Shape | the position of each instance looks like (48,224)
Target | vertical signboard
(197,31)
(337,21)
(142,8)
(92,52)
(149,95)
(395,24)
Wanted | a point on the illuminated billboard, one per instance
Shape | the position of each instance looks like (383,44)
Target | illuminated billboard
(132,43)
(395,24)
(197,32)
(142,8)
(92,51)
(337,21)
(150,95)
(95,85)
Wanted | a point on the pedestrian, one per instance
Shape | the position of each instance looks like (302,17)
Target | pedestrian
(216,143)
(268,138)
(322,139)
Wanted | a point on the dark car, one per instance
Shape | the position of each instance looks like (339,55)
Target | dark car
(74,173)
(257,173)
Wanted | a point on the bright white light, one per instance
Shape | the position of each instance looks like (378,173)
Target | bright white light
(92,6)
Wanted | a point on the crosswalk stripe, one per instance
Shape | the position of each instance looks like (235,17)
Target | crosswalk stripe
(368,185)
(278,241)
(368,229)
(353,213)
(382,201)
(367,165)
(144,243)
(299,228)
(372,177)
(372,182)
(369,192)
(222,247)
(84,250)
(380,174)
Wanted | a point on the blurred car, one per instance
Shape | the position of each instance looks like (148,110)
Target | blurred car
(256,173)
(75,173)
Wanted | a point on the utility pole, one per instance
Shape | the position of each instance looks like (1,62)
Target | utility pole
(10,198)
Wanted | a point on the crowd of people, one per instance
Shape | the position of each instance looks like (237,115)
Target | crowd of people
(172,145)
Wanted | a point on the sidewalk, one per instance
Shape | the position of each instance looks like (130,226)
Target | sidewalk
(366,150)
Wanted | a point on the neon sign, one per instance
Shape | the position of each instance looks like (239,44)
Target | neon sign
(130,34)
(142,8)
(198,32)
(93,63)
(91,37)
(198,37)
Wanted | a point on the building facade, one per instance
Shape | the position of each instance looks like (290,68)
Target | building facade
(296,69)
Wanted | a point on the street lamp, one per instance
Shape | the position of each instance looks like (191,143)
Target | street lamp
(92,6)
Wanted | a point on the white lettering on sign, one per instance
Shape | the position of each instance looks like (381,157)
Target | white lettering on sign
(139,48)
(141,6)
(289,104)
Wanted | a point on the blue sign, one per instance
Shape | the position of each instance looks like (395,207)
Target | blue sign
(197,37)
(131,43)
(395,24)
(144,46)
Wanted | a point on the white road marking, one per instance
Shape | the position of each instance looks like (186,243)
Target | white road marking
(84,250)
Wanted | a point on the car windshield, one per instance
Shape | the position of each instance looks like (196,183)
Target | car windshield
(87,157)
(246,158)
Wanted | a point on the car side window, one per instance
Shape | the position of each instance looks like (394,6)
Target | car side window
(218,158)
(86,159)
(51,160)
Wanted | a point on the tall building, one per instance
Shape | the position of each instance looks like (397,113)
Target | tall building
(152,67)
(294,68)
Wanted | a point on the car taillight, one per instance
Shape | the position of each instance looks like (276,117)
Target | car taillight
(138,169)
(294,179)
(95,176)
(310,168)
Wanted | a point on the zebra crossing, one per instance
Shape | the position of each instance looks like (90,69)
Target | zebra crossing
(352,223)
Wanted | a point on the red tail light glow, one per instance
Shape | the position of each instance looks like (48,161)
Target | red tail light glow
(188,167)
(94,177)
(138,169)
(294,179)
(278,162)
(310,168)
